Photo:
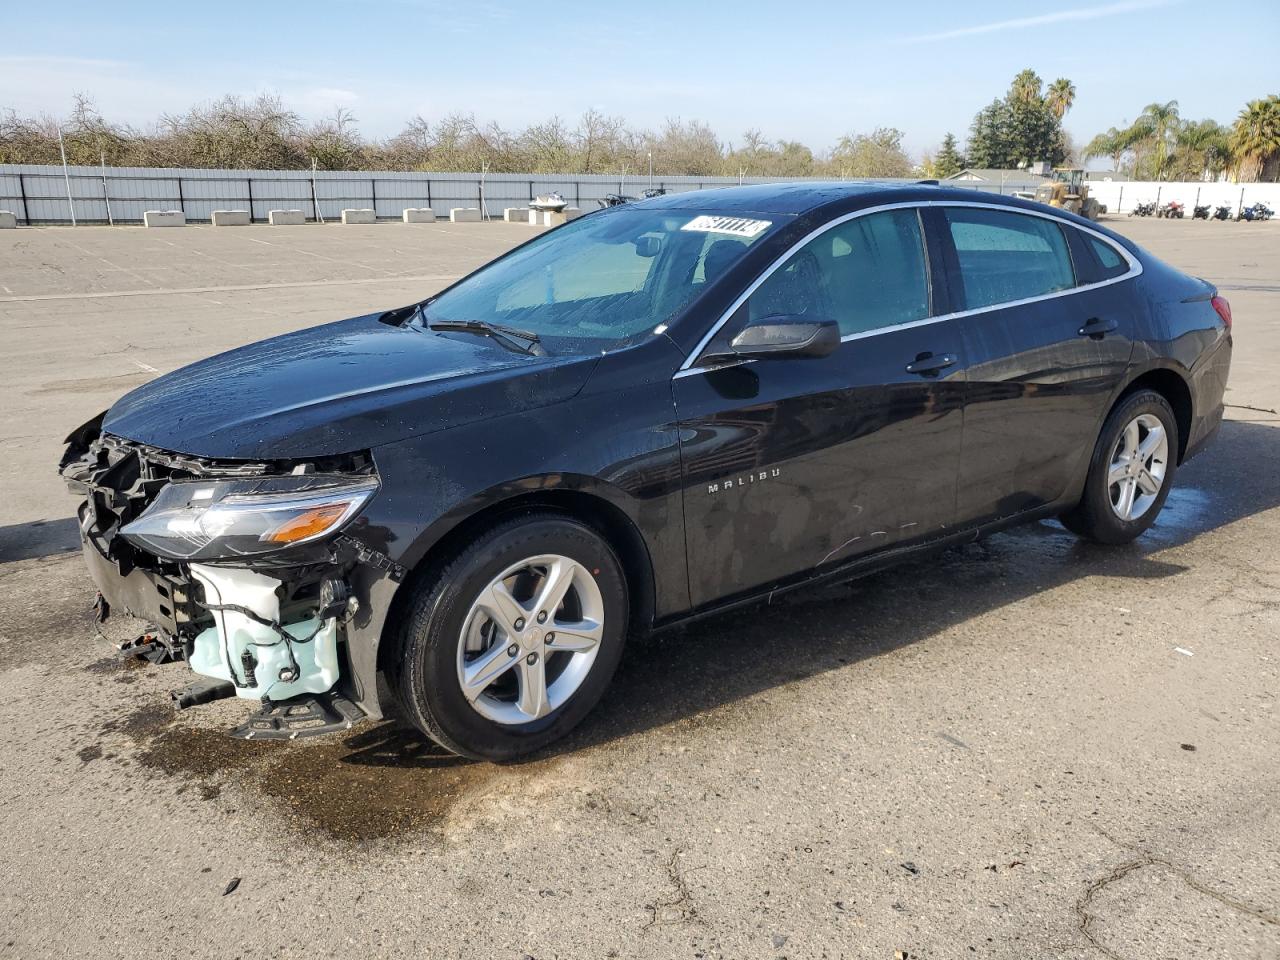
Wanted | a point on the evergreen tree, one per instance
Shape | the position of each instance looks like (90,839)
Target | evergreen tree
(949,160)
(1023,127)
(989,136)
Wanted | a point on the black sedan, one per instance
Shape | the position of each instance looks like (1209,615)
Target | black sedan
(653,413)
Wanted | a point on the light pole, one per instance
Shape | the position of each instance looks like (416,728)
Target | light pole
(650,169)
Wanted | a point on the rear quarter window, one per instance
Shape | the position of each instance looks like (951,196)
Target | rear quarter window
(1008,256)
(1110,263)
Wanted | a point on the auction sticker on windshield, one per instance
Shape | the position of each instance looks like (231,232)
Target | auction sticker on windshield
(735,226)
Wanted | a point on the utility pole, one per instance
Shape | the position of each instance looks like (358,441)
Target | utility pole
(315,199)
(66,175)
(106,196)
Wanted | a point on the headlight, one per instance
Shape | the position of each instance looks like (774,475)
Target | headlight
(222,519)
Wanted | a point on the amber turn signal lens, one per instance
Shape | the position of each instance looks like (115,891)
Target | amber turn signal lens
(308,524)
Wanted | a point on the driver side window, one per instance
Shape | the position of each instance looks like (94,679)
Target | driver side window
(867,273)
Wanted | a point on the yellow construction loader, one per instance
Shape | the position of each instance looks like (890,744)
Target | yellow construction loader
(1069,191)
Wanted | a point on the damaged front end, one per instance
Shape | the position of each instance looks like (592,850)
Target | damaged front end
(253,572)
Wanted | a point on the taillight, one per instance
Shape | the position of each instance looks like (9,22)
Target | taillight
(1224,309)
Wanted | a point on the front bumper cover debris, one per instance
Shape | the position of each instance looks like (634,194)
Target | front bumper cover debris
(273,629)
(309,715)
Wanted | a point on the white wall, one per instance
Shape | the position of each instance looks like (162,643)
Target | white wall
(1122,196)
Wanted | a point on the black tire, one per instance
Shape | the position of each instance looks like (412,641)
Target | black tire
(1093,517)
(425,671)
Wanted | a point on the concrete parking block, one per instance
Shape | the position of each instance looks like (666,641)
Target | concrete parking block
(230,218)
(279,218)
(419,215)
(464,215)
(515,214)
(362,215)
(164,218)
(8,220)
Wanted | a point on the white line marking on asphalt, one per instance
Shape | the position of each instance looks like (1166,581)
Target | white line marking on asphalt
(143,366)
(107,294)
(1184,651)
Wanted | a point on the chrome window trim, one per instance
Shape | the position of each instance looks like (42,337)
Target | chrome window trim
(687,368)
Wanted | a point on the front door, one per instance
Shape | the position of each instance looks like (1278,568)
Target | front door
(798,463)
(1046,350)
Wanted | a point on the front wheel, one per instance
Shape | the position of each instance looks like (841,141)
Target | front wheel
(1130,473)
(513,642)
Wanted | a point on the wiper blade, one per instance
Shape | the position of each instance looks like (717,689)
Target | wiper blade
(510,337)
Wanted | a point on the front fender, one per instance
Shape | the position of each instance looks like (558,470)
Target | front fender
(618,444)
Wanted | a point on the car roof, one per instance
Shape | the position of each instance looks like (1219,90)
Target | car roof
(821,199)
(799,197)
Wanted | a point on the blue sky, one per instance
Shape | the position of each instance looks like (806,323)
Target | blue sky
(805,71)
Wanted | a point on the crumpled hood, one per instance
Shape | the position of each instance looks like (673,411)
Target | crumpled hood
(336,388)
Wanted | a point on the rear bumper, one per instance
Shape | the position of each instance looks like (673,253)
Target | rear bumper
(1208,390)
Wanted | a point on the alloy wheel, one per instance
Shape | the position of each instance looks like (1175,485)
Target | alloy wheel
(530,638)
(1139,461)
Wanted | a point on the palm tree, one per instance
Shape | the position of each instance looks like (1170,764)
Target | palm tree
(1155,127)
(1113,145)
(1255,138)
(1202,149)
(1025,86)
(1062,94)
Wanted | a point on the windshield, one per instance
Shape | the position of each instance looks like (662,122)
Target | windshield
(605,278)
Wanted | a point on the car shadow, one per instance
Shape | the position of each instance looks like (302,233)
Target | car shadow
(38,539)
(693,670)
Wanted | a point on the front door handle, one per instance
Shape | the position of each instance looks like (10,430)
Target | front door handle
(1096,328)
(930,364)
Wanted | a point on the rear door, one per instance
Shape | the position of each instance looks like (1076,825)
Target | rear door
(796,463)
(1048,340)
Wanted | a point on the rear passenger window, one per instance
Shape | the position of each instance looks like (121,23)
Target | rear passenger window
(867,273)
(1109,259)
(1008,256)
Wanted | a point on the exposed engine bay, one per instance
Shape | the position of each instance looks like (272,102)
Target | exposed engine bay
(243,569)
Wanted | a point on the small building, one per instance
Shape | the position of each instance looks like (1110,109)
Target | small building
(1005,180)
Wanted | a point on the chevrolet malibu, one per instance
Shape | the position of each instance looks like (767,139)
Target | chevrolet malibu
(656,412)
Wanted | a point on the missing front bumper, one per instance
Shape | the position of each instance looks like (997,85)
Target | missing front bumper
(261,661)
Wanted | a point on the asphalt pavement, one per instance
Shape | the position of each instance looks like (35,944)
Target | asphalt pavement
(1029,747)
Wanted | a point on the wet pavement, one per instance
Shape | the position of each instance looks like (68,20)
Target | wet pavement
(1026,747)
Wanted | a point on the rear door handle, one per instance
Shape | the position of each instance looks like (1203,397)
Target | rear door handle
(1097,328)
(930,364)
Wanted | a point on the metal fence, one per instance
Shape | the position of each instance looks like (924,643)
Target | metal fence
(44,195)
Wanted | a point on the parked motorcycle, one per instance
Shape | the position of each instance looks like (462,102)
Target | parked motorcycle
(1200,212)
(1143,210)
(1259,211)
(1172,210)
(1222,212)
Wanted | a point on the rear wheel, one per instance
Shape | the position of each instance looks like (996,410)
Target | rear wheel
(515,640)
(1130,473)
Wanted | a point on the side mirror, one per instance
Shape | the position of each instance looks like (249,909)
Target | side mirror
(787,336)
